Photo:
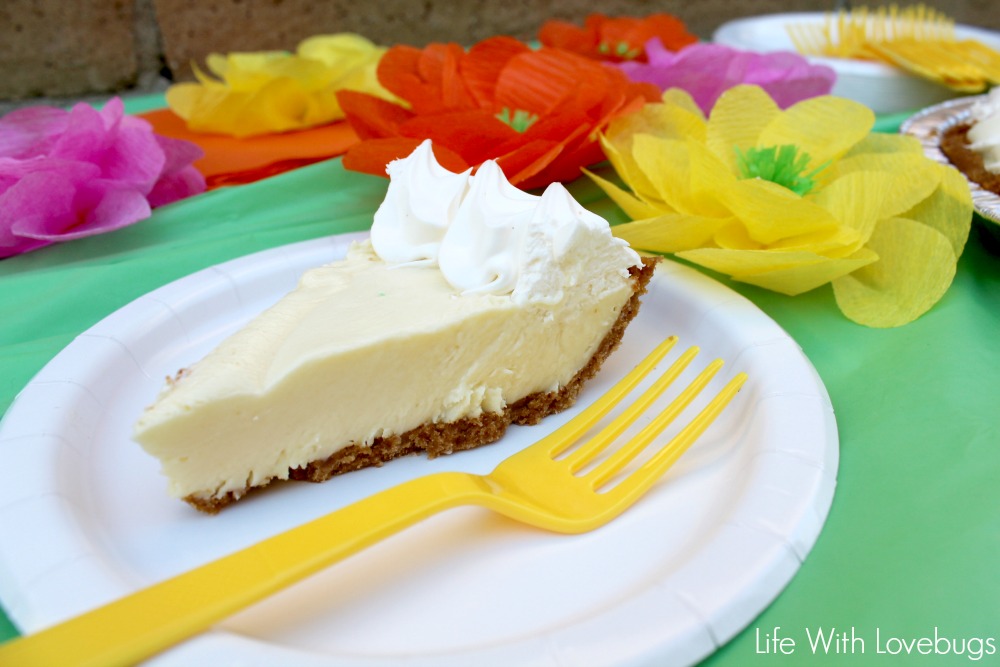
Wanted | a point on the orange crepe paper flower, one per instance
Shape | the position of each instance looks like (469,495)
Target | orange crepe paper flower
(536,112)
(616,39)
(233,161)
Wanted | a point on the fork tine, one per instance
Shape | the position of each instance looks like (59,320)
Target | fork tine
(561,439)
(646,475)
(808,39)
(594,446)
(799,41)
(626,453)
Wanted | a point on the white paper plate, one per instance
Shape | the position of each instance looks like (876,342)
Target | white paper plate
(85,517)
(882,88)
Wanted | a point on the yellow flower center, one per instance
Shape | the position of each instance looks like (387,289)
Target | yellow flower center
(784,165)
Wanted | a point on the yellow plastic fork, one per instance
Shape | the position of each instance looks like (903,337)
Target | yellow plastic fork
(538,486)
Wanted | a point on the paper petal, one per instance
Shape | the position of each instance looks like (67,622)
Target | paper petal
(695,70)
(676,118)
(881,142)
(338,50)
(397,71)
(948,209)
(272,91)
(31,131)
(738,118)
(426,78)
(372,117)
(915,269)
(883,155)
(706,71)
(523,164)
(178,185)
(227,160)
(792,272)
(859,200)
(134,156)
(617,144)
(475,134)
(540,82)
(486,61)
(824,127)
(183,98)
(670,232)
(36,196)
(112,209)
(788,77)
(734,236)
(708,177)
(634,208)
(664,162)
(683,99)
(66,201)
(84,138)
(371,157)
(771,212)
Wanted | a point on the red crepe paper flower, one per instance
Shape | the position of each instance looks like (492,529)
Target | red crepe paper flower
(536,112)
(616,39)
(69,174)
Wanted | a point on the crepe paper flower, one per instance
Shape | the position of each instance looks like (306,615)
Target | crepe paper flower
(69,174)
(616,39)
(791,200)
(231,161)
(705,71)
(536,112)
(266,92)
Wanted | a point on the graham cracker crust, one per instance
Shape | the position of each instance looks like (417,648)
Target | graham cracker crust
(440,439)
(955,145)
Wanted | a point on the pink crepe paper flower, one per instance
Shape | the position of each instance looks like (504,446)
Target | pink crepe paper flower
(69,174)
(705,71)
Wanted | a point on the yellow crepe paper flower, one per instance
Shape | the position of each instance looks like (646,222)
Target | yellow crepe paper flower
(267,92)
(791,200)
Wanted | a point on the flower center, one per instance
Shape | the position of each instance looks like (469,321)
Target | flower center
(623,50)
(784,165)
(521,120)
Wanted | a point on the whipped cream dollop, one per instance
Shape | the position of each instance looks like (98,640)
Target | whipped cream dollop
(480,248)
(422,199)
(487,236)
(984,135)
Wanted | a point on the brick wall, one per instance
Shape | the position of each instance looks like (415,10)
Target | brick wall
(67,48)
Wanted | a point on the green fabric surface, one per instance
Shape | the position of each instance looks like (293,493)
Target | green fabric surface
(912,542)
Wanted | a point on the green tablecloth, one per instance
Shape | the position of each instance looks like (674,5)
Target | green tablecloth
(912,543)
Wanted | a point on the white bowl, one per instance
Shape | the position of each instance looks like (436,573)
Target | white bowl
(883,88)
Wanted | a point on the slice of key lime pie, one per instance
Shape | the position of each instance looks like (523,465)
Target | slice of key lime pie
(473,306)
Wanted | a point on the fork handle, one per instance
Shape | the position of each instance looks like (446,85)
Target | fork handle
(144,623)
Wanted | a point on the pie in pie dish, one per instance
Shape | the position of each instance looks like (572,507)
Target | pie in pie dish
(974,146)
